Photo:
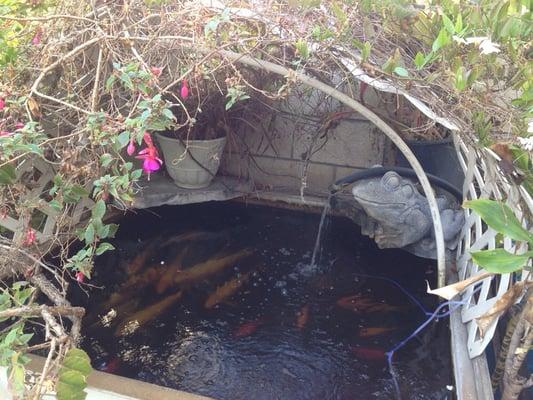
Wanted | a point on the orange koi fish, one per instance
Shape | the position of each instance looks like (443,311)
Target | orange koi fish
(147,314)
(227,290)
(187,236)
(359,303)
(140,259)
(210,267)
(247,328)
(374,331)
(167,280)
(134,283)
(302,317)
(369,353)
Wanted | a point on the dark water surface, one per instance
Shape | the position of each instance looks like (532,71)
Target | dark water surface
(291,331)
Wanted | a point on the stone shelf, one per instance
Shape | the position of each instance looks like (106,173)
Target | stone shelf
(161,190)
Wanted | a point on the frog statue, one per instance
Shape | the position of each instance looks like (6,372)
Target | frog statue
(398,216)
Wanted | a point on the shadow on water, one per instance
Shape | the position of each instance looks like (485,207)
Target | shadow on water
(288,331)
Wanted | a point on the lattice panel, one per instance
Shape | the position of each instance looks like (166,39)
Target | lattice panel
(484,179)
(38,175)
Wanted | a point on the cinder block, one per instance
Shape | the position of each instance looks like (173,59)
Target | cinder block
(351,143)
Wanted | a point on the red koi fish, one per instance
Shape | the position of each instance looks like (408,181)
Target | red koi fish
(374,331)
(369,353)
(302,317)
(248,328)
(112,366)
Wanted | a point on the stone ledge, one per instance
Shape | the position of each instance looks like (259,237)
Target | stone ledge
(160,190)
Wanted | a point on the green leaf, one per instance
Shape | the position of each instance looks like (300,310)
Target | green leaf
(389,65)
(419,60)
(109,82)
(365,51)
(72,379)
(73,193)
(302,48)
(136,174)
(78,360)
(56,205)
(122,140)
(126,80)
(500,218)
(168,113)
(500,261)
(442,40)
(7,174)
(89,234)
(401,71)
(103,247)
(105,159)
(99,210)
(458,23)
(448,24)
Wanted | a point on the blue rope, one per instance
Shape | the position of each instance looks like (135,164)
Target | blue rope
(405,291)
(436,314)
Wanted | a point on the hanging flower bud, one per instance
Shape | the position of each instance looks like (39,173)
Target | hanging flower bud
(30,237)
(19,125)
(80,276)
(2,103)
(131,148)
(5,133)
(156,71)
(37,37)
(148,139)
(184,92)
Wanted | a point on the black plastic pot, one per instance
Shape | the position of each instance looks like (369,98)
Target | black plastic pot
(437,157)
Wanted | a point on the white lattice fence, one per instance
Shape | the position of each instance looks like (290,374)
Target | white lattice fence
(38,175)
(484,179)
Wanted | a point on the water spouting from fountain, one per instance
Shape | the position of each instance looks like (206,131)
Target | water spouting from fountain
(321,227)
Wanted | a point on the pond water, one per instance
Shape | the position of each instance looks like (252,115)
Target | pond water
(277,327)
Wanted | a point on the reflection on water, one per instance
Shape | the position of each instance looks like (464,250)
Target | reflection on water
(220,299)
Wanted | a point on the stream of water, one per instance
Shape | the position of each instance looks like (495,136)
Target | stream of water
(321,228)
(284,331)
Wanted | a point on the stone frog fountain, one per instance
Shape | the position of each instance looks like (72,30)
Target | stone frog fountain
(398,216)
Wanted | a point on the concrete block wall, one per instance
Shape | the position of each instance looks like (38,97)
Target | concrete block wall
(272,152)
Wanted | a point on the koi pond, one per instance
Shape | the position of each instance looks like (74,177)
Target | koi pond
(221,299)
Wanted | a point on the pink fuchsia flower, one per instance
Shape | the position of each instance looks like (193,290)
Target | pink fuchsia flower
(2,103)
(131,148)
(184,91)
(30,237)
(156,71)
(152,162)
(80,276)
(19,125)
(5,133)
(37,37)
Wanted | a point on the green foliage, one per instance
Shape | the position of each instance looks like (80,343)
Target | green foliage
(13,340)
(72,379)
(235,93)
(501,261)
(502,219)
(302,48)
